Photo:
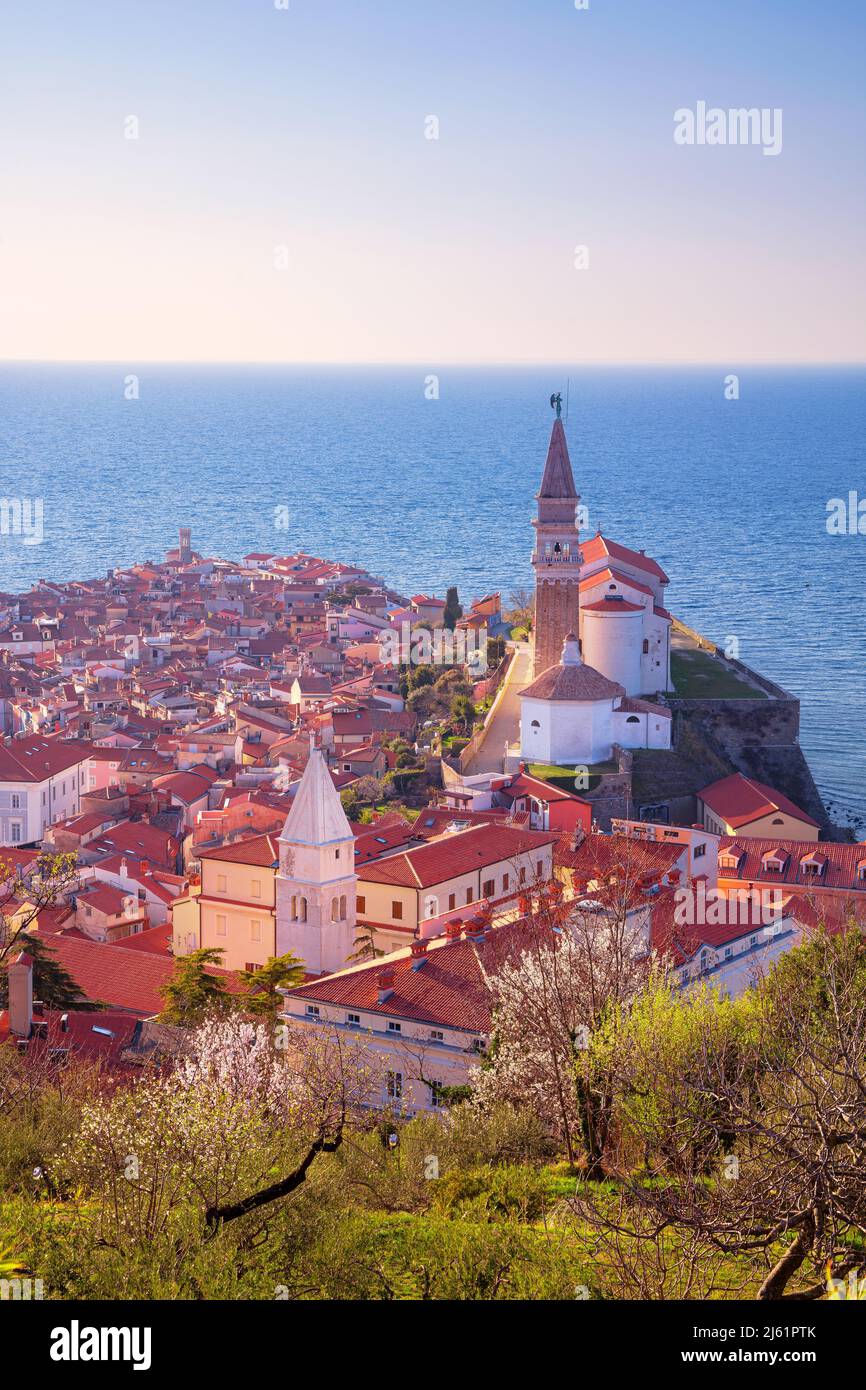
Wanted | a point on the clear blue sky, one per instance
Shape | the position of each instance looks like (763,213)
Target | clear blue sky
(304,129)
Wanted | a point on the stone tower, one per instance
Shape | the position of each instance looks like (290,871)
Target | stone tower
(557,557)
(316,881)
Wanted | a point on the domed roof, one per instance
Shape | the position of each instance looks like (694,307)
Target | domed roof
(572,682)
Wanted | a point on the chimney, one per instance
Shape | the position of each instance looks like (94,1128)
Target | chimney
(385,981)
(453,928)
(20,985)
(145,867)
(419,947)
(123,873)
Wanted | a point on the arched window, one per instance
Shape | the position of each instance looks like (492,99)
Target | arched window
(302,909)
(342,907)
(633,719)
(335,908)
(431,905)
(294,908)
(535,724)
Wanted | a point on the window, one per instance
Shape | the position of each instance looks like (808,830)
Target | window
(336,853)
(256,888)
(302,909)
(394,1085)
(452,897)
(397,911)
(436,1035)
(220,925)
(535,724)
(255,930)
(488,888)
(470,895)
(437,1100)
(539,868)
(251,966)
(353,1020)
(16,801)
(646,646)
(633,719)
(505,883)
(16,832)
(335,909)
(362,903)
(394,1027)
(313,1011)
(522,876)
(700,851)
(221,883)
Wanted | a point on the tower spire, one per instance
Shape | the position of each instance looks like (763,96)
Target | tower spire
(557,558)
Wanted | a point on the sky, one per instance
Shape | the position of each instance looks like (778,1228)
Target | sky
(282,200)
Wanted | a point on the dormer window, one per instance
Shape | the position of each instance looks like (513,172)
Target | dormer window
(774,861)
(813,865)
(861,871)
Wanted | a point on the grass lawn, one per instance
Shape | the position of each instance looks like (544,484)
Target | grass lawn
(697,675)
(563,777)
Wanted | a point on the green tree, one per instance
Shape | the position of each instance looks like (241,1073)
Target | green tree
(453,608)
(463,710)
(26,890)
(193,989)
(365,944)
(52,983)
(262,984)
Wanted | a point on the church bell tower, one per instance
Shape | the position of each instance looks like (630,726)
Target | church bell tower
(556,559)
(316,880)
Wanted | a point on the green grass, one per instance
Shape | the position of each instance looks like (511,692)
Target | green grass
(697,675)
(563,777)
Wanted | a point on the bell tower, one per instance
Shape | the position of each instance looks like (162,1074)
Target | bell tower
(316,880)
(557,558)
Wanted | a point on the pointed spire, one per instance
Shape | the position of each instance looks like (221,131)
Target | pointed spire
(558,480)
(316,816)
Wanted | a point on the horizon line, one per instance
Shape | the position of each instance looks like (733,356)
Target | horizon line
(426,363)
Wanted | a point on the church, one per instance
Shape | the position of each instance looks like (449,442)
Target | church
(601,635)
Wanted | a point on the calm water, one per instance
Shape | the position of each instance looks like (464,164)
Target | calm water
(729,496)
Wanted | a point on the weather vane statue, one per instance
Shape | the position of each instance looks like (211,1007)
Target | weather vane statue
(556,404)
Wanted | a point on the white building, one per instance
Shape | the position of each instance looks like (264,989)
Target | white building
(572,714)
(41,782)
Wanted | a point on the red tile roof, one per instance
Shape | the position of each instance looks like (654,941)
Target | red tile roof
(36,758)
(739,800)
(261,850)
(845,863)
(447,990)
(600,545)
(456,854)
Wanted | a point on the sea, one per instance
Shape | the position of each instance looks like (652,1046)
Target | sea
(426,476)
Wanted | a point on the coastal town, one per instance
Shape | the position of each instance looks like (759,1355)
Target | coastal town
(278,758)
